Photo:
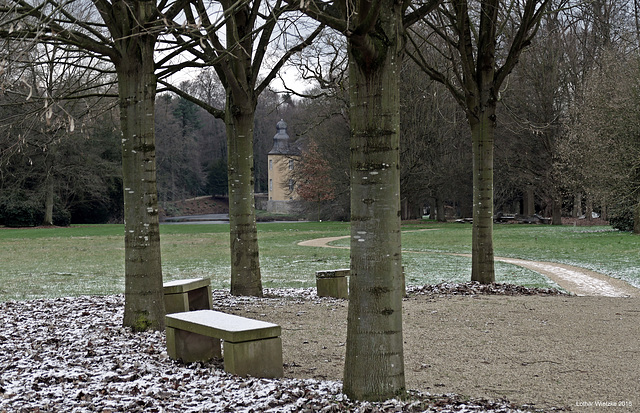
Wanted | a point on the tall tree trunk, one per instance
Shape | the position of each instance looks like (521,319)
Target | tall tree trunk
(440,210)
(636,217)
(144,305)
(374,362)
(245,262)
(529,201)
(48,200)
(482,135)
(577,205)
(588,213)
(556,209)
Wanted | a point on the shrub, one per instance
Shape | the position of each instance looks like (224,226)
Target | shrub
(621,218)
(61,217)
(21,213)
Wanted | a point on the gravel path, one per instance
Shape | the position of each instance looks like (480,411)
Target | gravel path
(579,281)
(543,351)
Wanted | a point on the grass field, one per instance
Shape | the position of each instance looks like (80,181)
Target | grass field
(50,262)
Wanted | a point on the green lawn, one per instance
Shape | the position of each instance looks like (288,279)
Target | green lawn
(80,260)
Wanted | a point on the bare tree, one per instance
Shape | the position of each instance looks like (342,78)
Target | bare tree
(480,53)
(238,58)
(180,165)
(435,153)
(324,120)
(536,103)
(124,33)
(374,363)
(41,115)
(313,180)
(604,134)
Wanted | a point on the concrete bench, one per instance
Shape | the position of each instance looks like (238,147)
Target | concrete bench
(251,347)
(333,283)
(187,295)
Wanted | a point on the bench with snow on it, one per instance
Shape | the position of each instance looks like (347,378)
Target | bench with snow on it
(187,295)
(251,347)
(333,283)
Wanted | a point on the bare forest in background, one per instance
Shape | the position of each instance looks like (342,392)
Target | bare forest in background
(566,142)
(567,130)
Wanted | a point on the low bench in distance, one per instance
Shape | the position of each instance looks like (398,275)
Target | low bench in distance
(187,295)
(251,347)
(332,283)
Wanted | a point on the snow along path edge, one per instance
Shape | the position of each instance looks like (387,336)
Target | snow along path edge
(579,281)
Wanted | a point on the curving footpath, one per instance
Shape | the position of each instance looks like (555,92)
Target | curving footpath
(579,281)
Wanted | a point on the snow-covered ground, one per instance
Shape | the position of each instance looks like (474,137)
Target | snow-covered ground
(72,355)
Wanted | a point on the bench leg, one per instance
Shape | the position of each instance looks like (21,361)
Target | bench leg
(176,303)
(259,358)
(336,287)
(200,299)
(190,347)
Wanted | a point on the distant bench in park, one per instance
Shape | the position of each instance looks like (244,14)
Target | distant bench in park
(194,331)
(333,283)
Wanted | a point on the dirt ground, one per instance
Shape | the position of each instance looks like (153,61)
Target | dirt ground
(578,353)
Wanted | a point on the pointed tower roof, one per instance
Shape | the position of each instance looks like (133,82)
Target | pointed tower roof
(281,144)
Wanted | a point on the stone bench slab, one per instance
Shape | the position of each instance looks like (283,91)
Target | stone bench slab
(227,327)
(187,295)
(251,347)
(343,272)
(182,286)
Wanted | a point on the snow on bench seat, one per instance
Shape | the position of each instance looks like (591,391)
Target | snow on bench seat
(251,347)
(333,283)
(187,295)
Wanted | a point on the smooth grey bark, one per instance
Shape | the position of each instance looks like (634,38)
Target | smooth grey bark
(246,278)
(636,217)
(48,199)
(577,205)
(440,211)
(528,201)
(241,101)
(556,209)
(144,304)
(374,361)
(482,137)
